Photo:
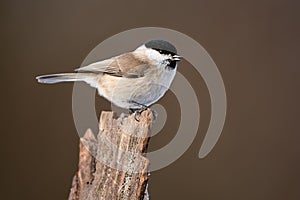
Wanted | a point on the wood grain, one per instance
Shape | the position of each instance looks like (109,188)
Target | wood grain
(112,164)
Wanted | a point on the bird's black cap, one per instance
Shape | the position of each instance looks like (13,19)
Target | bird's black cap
(161,45)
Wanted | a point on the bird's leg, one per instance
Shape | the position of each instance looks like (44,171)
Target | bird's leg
(131,111)
(143,107)
(137,111)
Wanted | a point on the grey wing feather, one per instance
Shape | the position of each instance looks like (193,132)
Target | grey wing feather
(104,66)
(125,65)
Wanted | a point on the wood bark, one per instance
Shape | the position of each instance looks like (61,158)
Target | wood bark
(112,163)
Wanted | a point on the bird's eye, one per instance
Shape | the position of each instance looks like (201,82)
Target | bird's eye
(159,50)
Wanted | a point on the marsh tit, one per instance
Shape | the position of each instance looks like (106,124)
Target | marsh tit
(133,80)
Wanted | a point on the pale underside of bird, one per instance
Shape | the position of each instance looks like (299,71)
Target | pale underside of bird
(133,80)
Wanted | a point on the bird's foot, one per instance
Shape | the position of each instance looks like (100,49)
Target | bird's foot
(137,112)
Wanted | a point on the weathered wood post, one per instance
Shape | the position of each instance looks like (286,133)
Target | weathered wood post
(111,165)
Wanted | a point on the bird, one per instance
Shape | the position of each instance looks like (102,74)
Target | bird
(133,80)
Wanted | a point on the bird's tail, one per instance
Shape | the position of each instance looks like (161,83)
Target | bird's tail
(66,77)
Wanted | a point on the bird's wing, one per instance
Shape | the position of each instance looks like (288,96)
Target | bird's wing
(126,65)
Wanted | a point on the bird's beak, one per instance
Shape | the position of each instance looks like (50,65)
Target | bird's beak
(176,57)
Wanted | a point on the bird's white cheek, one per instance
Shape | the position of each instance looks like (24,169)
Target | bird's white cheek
(154,56)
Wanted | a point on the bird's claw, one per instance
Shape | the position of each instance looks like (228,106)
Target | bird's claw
(135,115)
(138,111)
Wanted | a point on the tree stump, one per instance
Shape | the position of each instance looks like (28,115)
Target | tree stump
(111,165)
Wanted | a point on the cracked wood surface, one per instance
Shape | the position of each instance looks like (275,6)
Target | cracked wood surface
(111,165)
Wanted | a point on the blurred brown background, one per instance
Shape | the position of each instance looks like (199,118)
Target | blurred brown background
(255,44)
